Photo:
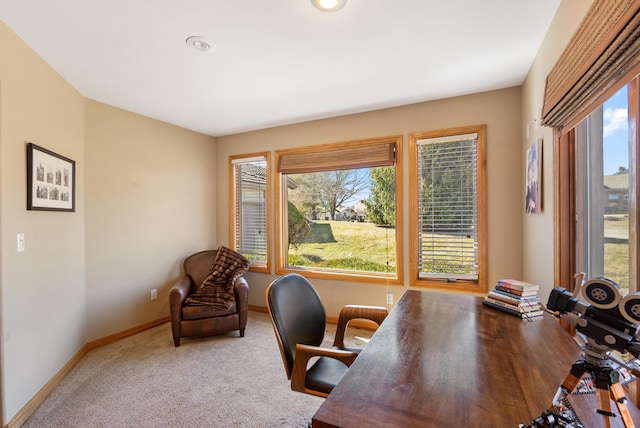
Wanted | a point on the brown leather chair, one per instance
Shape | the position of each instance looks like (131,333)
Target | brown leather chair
(199,321)
(299,320)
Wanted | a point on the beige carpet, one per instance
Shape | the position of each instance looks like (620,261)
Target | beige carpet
(144,381)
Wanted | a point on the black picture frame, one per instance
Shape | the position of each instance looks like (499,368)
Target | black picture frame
(51,180)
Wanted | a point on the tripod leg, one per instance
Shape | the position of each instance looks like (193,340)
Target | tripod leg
(604,404)
(569,383)
(618,395)
(603,379)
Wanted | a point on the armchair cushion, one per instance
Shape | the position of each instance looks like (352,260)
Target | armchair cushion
(197,312)
(217,289)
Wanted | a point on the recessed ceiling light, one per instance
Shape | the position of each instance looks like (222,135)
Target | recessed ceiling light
(201,44)
(328,5)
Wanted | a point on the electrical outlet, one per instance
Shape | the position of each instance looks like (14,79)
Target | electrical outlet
(389,298)
(154,294)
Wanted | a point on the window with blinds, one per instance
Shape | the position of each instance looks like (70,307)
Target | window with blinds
(337,213)
(249,208)
(447,221)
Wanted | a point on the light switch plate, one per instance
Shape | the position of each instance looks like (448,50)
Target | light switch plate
(20,239)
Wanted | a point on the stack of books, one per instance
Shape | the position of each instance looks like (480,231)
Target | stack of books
(515,297)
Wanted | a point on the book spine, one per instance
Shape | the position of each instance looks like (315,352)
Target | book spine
(514,297)
(503,298)
(521,307)
(517,285)
(502,308)
(515,308)
(514,291)
(516,300)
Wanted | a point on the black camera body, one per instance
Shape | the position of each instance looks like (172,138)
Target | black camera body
(609,320)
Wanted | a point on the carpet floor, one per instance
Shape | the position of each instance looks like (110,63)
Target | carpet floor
(220,381)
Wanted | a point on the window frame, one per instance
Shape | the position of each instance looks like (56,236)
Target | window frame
(565,211)
(256,266)
(335,274)
(599,59)
(470,285)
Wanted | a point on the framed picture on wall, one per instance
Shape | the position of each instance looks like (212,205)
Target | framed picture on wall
(51,180)
(534,178)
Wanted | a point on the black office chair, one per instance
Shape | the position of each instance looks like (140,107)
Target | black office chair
(299,321)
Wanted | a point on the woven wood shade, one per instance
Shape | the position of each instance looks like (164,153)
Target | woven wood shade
(328,158)
(604,49)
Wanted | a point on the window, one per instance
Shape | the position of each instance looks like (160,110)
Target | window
(337,212)
(448,206)
(599,60)
(602,171)
(250,207)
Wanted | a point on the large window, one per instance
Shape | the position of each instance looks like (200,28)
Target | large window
(448,208)
(590,91)
(602,171)
(337,212)
(249,211)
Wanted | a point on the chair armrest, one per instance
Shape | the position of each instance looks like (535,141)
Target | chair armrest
(305,352)
(376,314)
(241,288)
(177,294)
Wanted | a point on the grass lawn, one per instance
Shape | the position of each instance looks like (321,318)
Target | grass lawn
(367,247)
(616,254)
(347,245)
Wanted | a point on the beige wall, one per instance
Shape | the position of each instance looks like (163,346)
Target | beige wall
(500,110)
(150,202)
(537,231)
(43,309)
(146,197)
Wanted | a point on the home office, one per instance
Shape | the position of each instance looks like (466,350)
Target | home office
(149,193)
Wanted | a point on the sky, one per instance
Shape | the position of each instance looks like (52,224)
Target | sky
(616,132)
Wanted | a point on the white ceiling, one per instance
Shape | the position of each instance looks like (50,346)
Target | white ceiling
(279,62)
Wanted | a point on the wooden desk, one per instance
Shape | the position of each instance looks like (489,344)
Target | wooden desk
(444,360)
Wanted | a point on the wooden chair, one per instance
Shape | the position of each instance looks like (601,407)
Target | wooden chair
(299,321)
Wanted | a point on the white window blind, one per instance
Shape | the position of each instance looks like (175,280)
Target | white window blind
(251,208)
(448,221)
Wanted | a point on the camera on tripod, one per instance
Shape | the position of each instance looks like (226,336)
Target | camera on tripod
(609,322)
(607,318)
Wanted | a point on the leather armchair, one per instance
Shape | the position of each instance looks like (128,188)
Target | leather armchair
(199,321)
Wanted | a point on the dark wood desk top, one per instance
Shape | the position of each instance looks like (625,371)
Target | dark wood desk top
(444,360)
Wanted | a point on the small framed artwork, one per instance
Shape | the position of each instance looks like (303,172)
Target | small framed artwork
(534,178)
(51,180)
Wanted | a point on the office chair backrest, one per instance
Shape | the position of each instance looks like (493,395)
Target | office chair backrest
(297,314)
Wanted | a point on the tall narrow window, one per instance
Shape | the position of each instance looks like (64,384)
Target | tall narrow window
(250,184)
(448,220)
(602,191)
(337,210)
